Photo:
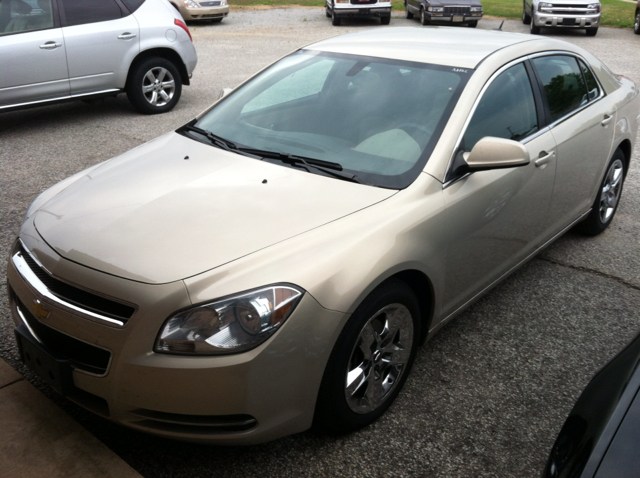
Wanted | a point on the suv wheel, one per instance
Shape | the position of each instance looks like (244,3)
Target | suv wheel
(534,29)
(636,25)
(591,32)
(385,20)
(526,18)
(335,20)
(154,86)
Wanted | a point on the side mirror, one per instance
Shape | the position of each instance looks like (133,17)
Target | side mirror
(496,153)
(224,92)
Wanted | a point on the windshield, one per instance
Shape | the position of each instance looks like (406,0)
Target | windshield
(380,119)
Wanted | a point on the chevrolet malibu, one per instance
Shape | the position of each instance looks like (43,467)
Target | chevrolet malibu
(277,261)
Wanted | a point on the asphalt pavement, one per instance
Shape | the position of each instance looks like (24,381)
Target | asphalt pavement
(487,395)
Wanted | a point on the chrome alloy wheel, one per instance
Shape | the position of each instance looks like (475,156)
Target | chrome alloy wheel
(158,86)
(611,191)
(379,358)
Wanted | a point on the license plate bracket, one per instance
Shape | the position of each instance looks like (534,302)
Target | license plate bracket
(56,371)
(458,18)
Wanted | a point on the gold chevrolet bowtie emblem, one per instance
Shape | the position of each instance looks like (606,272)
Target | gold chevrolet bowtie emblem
(39,309)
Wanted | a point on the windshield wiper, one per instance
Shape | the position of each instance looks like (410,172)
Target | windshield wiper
(218,141)
(326,167)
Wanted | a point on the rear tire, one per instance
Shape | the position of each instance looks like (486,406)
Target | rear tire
(591,32)
(408,14)
(608,198)
(154,86)
(636,25)
(526,18)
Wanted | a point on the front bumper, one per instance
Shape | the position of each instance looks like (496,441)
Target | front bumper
(246,398)
(565,20)
(349,10)
(454,18)
(204,13)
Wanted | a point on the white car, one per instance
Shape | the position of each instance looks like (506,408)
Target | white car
(562,14)
(60,50)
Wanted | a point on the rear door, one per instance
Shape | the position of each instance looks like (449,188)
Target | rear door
(33,62)
(101,39)
(582,122)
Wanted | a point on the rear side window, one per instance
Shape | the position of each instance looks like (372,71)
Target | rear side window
(80,12)
(563,84)
(132,5)
(507,109)
(592,84)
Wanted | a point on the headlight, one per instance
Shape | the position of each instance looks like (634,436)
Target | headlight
(594,6)
(191,4)
(435,9)
(231,325)
(542,5)
(223,3)
(476,9)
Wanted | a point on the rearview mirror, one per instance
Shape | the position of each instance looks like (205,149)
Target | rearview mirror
(496,153)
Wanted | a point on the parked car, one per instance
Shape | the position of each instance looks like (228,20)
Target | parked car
(61,50)
(449,11)
(279,259)
(564,14)
(636,24)
(601,435)
(339,9)
(214,10)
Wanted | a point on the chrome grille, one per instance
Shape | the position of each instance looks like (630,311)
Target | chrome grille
(457,10)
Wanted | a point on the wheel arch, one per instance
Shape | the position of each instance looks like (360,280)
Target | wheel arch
(165,53)
(423,289)
(625,147)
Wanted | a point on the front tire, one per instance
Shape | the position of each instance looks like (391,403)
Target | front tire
(591,32)
(534,29)
(385,20)
(636,25)
(370,360)
(154,86)
(606,203)
(335,20)
(424,20)
(473,24)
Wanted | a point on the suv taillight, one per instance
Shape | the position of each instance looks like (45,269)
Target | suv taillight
(183,25)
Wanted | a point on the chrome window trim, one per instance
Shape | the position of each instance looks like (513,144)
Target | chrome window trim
(30,277)
(537,133)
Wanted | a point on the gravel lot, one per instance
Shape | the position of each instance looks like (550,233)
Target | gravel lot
(487,395)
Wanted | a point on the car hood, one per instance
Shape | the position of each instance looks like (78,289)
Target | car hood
(174,208)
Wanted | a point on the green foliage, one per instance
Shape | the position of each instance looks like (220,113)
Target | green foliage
(615,13)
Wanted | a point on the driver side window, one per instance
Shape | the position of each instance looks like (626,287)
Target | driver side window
(507,109)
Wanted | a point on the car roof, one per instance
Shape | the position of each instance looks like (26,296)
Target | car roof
(449,46)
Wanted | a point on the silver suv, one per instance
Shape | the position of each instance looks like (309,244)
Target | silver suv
(60,50)
(562,14)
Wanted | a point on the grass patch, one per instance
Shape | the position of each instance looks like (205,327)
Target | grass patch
(615,13)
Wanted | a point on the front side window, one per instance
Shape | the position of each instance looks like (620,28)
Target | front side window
(18,16)
(80,12)
(506,110)
(379,119)
(563,84)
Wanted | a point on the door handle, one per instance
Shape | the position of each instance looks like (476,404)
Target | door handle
(543,159)
(50,45)
(126,36)
(607,119)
